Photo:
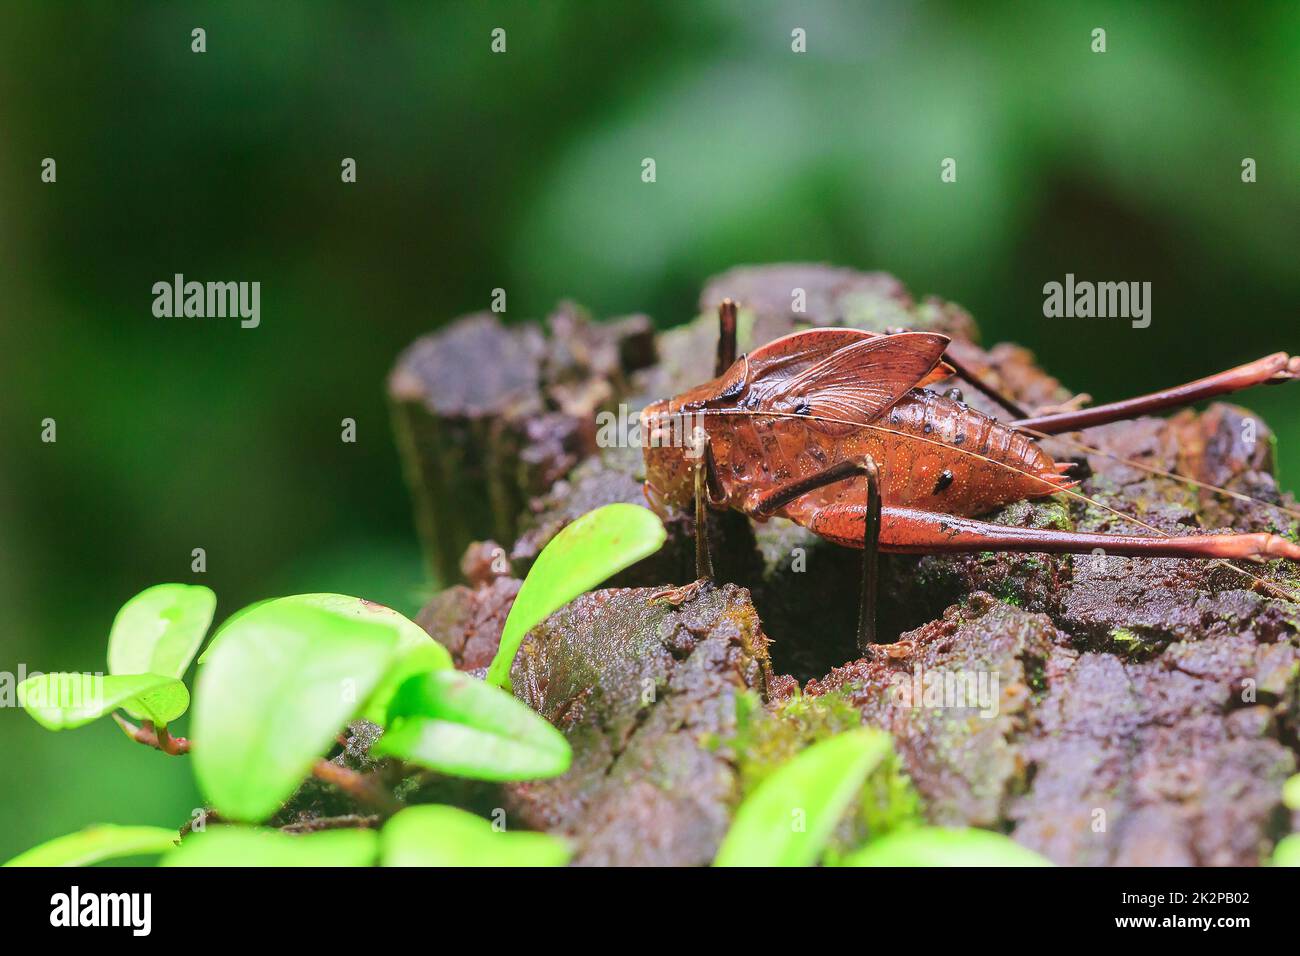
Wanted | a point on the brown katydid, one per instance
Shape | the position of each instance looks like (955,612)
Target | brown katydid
(835,429)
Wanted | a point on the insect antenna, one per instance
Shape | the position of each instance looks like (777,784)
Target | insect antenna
(1151,469)
(1271,586)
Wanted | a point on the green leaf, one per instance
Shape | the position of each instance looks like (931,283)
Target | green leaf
(789,817)
(221,629)
(273,695)
(97,843)
(1291,792)
(944,846)
(1287,851)
(158,630)
(599,544)
(459,725)
(258,846)
(409,634)
(432,835)
(413,661)
(63,701)
(418,652)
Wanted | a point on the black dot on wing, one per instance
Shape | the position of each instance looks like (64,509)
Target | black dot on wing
(944,480)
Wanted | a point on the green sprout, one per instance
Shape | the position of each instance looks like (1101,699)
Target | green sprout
(260,846)
(278,682)
(159,630)
(65,701)
(944,846)
(788,819)
(790,816)
(97,844)
(455,724)
(150,646)
(428,835)
(1287,851)
(434,835)
(272,697)
(595,547)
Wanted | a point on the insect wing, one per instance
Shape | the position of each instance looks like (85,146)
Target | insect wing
(854,380)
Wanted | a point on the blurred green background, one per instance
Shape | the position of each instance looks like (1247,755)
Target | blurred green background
(522,171)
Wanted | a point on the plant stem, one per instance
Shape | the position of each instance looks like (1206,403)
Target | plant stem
(356,785)
(158,738)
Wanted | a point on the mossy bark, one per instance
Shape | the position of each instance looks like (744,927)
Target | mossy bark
(1139,711)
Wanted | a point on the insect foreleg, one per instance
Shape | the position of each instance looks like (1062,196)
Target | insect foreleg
(1270,370)
(703,560)
(713,482)
(870,558)
(869,539)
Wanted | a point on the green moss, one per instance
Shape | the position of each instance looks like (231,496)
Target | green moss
(1125,638)
(1054,514)
(1009,595)
(766,739)
(1132,645)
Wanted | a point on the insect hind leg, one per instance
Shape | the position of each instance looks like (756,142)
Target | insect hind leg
(909,531)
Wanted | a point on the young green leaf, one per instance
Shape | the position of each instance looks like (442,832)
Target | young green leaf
(96,844)
(272,696)
(225,625)
(409,634)
(599,544)
(790,816)
(417,651)
(258,846)
(433,835)
(944,846)
(456,724)
(63,701)
(158,630)
(411,662)
(1291,792)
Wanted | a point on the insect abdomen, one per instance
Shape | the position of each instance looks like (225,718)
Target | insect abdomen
(942,455)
